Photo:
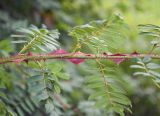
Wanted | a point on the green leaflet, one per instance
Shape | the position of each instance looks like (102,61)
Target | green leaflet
(154,73)
(20,112)
(142,73)
(35,78)
(101,103)
(64,76)
(153,66)
(29,104)
(49,106)
(95,85)
(57,88)
(91,79)
(42,95)
(95,95)
(137,66)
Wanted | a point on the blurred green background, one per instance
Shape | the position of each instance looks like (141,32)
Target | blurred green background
(65,14)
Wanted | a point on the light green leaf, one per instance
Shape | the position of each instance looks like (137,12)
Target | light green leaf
(42,96)
(153,66)
(147,59)
(37,88)
(97,94)
(101,103)
(35,78)
(137,66)
(49,106)
(95,85)
(141,73)
(91,79)
(64,76)
(57,88)
(155,73)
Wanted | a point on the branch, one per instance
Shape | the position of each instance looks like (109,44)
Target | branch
(37,57)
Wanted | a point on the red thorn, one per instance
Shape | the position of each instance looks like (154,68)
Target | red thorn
(88,55)
(17,61)
(26,61)
(134,53)
(118,60)
(44,59)
(29,54)
(59,51)
(77,60)
(79,52)
(118,55)
(105,54)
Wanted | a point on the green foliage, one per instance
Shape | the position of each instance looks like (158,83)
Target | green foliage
(45,86)
(100,36)
(44,80)
(14,96)
(107,89)
(31,89)
(42,39)
(153,32)
(18,102)
(105,35)
(147,69)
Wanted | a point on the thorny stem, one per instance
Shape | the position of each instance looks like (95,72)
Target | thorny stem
(37,57)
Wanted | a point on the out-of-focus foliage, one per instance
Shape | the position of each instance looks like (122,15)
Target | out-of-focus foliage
(18,82)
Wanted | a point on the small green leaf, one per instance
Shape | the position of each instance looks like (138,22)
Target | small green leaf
(154,42)
(49,106)
(146,59)
(19,41)
(35,78)
(137,66)
(24,106)
(95,85)
(157,80)
(30,105)
(141,73)
(37,88)
(64,76)
(134,59)
(97,94)
(42,96)
(155,73)
(91,79)
(152,66)
(57,88)
(101,103)
(20,112)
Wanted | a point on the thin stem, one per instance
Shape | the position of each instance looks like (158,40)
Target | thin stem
(153,48)
(27,46)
